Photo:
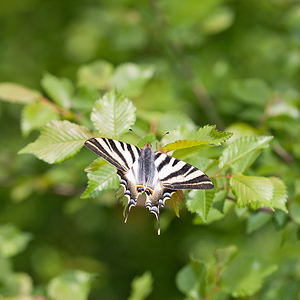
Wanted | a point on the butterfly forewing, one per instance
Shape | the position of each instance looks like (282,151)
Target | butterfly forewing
(119,154)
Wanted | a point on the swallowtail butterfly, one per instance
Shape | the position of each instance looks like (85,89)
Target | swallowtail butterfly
(141,170)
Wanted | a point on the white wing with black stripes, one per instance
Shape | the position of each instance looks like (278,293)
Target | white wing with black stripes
(141,170)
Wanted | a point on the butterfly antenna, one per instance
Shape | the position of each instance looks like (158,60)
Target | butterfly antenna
(168,132)
(135,133)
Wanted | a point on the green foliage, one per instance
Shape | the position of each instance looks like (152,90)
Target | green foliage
(113,114)
(141,287)
(59,140)
(72,285)
(12,241)
(222,77)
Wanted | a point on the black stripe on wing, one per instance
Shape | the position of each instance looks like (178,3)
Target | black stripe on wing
(187,177)
(119,154)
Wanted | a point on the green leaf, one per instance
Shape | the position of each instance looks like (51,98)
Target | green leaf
(245,276)
(245,162)
(113,114)
(199,202)
(73,285)
(279,198)
(36,114)
(95,75)
(60,90)
(225,255)
(12,92)
(141,287)
(190,280)
(253,91)
(241,147)
(259,191)
(95,165)
(218,20)
(59,140)
(17,284)
(204,136)
(104,178)
(130,78)
(257,220)
(295,212)
(12,240)
(252,190)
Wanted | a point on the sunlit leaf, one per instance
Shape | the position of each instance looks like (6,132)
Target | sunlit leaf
(19,286)
(113,114)
(12,92)
(130,78)
(204,136)
(60,90)
(73,285)
(252,189)
(36,114)
(279,197)
(12,240)
(104,178)
(141,287)
(241,147)
(59,140)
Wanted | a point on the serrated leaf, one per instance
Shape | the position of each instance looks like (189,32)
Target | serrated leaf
(58,141)
(245,276)
(104,178)
(257,220)
(199,202)
(204,136)
(113,114)
(12,240)
(259,191)
(252,189)
(279,197)
(12,92)
(60,90)
(130,78)
(241,147)
(73,285)
(36,114)
(95,75)
(254,91)
(141,287)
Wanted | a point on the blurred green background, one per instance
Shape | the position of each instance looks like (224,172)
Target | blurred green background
(217,62)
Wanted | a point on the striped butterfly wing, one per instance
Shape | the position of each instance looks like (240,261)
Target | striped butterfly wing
(175,174)
(119,154)
(125,158)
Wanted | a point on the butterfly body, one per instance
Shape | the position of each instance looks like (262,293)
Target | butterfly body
(142,170)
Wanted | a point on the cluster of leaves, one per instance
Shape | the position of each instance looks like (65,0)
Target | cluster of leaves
(65,126)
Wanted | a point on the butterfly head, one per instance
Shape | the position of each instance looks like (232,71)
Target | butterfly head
(147,145)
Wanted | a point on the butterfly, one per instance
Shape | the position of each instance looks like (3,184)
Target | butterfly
(142,170)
